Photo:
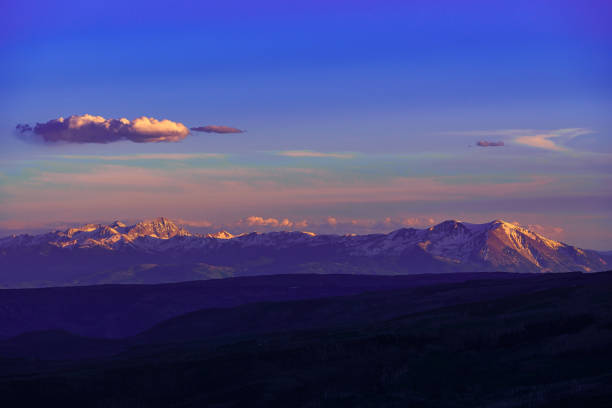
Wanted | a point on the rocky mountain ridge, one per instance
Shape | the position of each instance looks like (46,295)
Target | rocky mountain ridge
(497,245)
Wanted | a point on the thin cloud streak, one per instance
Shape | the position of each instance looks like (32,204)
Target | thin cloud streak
(310,153)
(154,156)
(217,129)
(485,143)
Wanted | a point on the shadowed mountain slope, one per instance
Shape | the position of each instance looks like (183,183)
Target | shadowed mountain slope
(112,311)
(537,341)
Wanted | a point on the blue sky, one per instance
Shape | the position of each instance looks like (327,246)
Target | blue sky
(382,101)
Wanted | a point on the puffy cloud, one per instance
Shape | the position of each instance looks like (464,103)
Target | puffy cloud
(301,224)
(217,129)
(366,223)
(284,223)
(485,143)
(416,222)
(310,153)
(254,221)
(333,225)
(96,129)
(325,225)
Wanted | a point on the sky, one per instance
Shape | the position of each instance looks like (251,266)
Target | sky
(324,116)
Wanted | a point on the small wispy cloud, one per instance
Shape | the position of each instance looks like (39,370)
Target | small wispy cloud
(311,153)
(217,129)
(155,156)
(333,221)
(485,143)
(553,140)
(542,141)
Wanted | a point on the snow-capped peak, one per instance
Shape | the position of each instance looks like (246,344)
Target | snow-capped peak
(157,228)
(220,235)
(117,224)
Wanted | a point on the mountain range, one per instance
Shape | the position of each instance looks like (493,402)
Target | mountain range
(159,250)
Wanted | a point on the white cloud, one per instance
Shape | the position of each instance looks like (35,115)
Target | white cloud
(254,221)
(96,129)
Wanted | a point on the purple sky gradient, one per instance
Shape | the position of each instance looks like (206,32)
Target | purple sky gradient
(359,111)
